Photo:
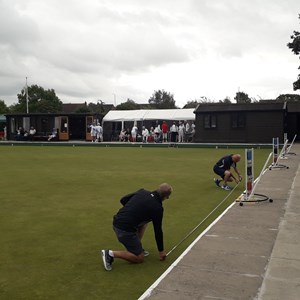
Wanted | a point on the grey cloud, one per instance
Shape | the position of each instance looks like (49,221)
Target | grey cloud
(123,44)
(17,32)
(96,48)
(239,27)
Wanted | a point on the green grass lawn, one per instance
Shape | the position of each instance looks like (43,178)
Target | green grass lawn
(57,205)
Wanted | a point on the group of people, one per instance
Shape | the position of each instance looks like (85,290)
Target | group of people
(143,206)
(24,135)
(96,132)
(162,133)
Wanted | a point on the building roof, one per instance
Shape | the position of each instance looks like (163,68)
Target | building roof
(222,107)
(72,107)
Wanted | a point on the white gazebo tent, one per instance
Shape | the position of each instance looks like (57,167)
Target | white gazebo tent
(149,114)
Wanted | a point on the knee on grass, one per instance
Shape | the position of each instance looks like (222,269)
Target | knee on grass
(139,258)
(135,259)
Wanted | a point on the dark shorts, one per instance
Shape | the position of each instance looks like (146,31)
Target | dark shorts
(130,240)
(219,171)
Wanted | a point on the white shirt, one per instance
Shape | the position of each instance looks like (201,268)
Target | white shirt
(145,132)
(174,128)
(134,130)
(187,127)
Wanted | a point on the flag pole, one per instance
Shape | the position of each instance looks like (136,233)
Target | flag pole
(27,97)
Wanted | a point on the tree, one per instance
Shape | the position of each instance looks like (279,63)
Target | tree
(39,101)
(288,98)
(191,104)
(128,105)
(3,108)
(162,100)
(97,108)
(204,100)
(83,110)
(242,97)
(226,101)
(295,47)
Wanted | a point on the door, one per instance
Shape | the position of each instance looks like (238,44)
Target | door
(89,122)
(64,128)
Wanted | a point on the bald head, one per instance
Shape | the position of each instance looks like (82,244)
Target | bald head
(165,191)
(236,158)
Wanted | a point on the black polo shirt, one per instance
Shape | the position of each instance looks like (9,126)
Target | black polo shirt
(141,207)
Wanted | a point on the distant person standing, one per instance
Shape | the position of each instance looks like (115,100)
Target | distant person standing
(157,132)
(134,131)
(99,134)
(93,132)
(174,132)
(145,134)
(164,129)
(5,133)
(193,126)
(187,131)
(181,129)
(222,168)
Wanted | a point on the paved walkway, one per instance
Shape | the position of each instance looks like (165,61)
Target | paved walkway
(252,252)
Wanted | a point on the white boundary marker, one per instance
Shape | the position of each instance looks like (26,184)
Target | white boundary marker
(291,145)
(255,182)
(263,171)
(283,150)
(249,173)
(148,292)
(277,157)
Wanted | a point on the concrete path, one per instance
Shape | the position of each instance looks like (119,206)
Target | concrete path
(252,252)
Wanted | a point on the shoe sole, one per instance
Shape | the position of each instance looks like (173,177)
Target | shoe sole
(107,268)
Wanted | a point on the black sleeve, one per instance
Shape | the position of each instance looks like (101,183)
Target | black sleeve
(157,225)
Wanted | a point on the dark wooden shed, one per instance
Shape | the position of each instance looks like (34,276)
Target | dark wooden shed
(72,126)
(293,120)
(240,123)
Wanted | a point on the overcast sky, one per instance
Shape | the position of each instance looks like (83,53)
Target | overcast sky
(118,49)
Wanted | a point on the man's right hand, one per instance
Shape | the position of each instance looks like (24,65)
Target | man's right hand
(162,255)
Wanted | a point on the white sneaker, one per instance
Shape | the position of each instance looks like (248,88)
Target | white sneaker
(107,260)
(226,187)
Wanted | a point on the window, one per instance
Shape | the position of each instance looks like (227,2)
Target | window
(210,121)
(238,121)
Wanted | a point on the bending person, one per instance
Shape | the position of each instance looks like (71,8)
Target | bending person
(130,222)
(223,169)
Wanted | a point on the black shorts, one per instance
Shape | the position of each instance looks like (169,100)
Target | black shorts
(130,240)
(219,171)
